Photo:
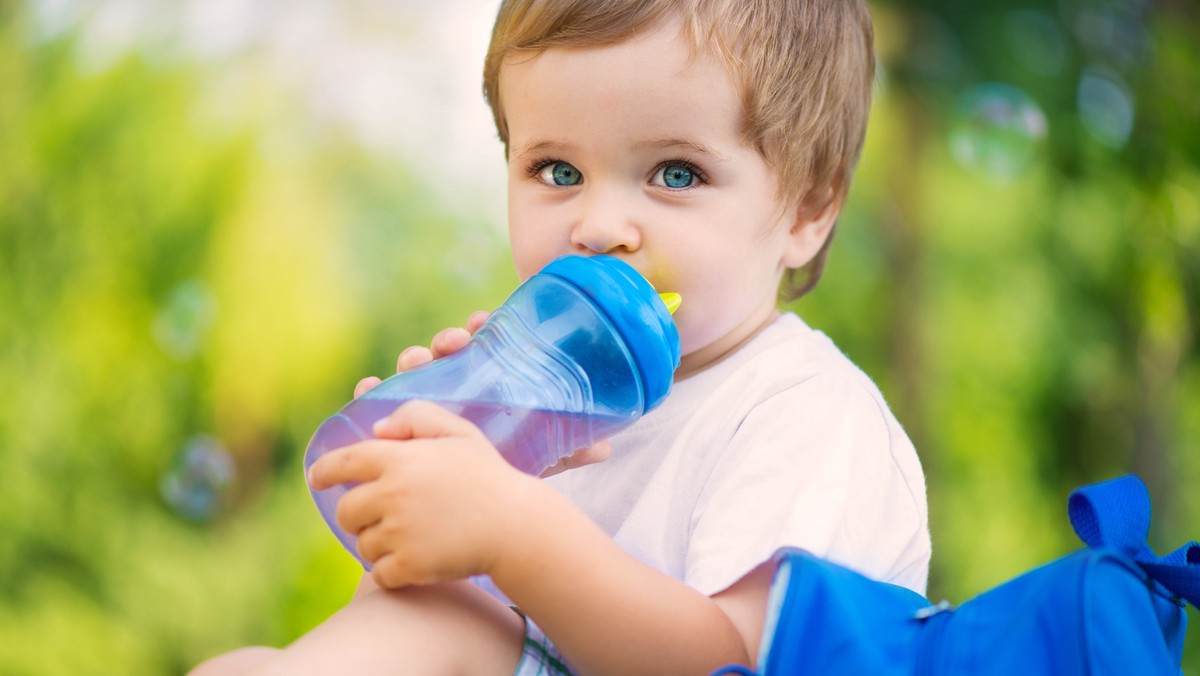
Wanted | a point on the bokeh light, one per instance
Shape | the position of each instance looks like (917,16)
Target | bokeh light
(997,129)
(1106,107)
(194,485)
(182,324)
(1113,32)
(935,54)
(1037,41)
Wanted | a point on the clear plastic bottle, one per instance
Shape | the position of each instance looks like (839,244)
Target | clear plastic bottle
(578,352)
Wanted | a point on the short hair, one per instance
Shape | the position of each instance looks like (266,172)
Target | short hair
(804,69)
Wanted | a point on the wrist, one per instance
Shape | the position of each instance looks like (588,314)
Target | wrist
(521,519)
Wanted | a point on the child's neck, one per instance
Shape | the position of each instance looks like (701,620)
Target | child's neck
(709,356)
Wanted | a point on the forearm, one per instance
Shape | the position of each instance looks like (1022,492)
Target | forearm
(606,611)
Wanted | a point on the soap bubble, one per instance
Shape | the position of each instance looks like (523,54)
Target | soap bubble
(1114,33)
(936,56)
(181,325)
(194,485)
(1105,106)
(997,128)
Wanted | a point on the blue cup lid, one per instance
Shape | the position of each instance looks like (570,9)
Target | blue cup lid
(635,309)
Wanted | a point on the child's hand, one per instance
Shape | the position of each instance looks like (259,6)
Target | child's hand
(584,456)
(449,341)
(435,501)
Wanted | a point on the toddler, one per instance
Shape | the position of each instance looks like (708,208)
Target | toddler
(710,144)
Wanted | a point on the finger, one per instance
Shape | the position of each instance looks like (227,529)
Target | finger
(365,385)
(599,452)
(449,341)
(413,357)
(557,468)
(359,509)
(377,542)
(359,462)
(388,571)
(476,320)
(422,420)
(369,544)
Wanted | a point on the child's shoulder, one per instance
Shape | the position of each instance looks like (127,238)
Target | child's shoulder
(790,352)
(793,371)
(787,367)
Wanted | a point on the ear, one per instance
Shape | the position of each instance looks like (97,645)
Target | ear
(809,231)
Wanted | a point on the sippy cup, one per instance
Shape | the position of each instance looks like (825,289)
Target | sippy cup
(578,352)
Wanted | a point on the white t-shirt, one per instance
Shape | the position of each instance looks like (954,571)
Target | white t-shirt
(783,443)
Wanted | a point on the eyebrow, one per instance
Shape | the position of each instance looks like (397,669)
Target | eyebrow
(682,144)
(657,144)
(540,146)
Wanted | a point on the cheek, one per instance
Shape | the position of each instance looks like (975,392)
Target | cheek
(693,333)
(529,244)
(700,316)
(527,257)
(714,303)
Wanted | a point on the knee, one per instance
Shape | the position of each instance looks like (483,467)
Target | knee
(234,662)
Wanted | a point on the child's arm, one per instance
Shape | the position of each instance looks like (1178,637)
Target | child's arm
(611,614)
(436,502)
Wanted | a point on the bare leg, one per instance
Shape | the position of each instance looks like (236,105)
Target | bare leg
(452,628)
(238,661)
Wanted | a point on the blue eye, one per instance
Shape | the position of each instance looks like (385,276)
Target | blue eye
(560,173)
(676,176)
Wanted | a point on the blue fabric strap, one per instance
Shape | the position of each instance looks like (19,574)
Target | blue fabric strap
(1115,514)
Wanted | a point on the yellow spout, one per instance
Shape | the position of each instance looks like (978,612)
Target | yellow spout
(671,300)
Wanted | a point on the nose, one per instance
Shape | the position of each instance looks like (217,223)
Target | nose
(605,224)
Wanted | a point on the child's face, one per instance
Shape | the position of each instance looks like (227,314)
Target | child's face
(635,150)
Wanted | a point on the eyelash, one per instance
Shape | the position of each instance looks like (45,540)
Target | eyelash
(536,166)
(697,172)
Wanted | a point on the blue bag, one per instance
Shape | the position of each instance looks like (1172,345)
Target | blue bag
(1110,608)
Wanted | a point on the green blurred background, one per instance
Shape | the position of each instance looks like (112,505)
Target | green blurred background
(217,215)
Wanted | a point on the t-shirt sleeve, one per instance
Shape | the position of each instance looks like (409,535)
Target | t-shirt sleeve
(813,466)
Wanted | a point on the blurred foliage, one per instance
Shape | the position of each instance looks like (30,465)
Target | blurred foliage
(1019,265)
(181,303)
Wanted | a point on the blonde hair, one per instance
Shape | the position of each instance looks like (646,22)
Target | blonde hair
(804,69)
